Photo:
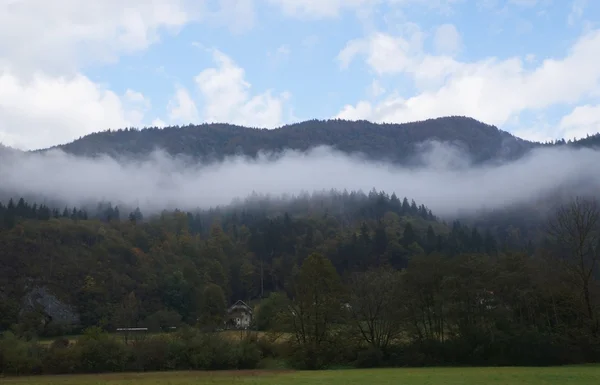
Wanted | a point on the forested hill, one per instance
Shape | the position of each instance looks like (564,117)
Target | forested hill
(589,141)
(396,142)
(90,260)
(463,296)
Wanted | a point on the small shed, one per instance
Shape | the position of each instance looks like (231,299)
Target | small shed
(239,316)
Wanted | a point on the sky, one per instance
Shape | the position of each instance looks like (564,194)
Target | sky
(71,67)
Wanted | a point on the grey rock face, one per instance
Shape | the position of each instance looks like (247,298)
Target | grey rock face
(57,311)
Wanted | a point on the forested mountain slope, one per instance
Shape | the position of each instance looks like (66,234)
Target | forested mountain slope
(395,142)
(92,260)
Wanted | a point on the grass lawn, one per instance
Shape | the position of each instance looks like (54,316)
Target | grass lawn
(572,375)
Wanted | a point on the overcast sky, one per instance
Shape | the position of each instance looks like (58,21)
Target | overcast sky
(71,67)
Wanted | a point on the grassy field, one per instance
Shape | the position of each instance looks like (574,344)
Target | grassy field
(572,375)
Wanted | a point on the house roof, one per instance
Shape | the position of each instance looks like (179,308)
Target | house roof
(240,305)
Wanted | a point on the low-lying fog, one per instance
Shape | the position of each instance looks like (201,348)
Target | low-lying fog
(445,181)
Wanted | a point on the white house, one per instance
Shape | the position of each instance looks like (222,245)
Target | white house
(239,316)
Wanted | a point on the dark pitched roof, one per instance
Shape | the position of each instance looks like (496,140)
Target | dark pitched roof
(239,304)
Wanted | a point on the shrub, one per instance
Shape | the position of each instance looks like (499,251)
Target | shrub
(18,356)
(530,348)
(249,355)
(369,358)
(99,352)
(208,352)
(312,357)
(62,358)
(156,353)
(268,348)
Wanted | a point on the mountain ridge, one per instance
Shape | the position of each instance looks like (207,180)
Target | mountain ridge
(380,141)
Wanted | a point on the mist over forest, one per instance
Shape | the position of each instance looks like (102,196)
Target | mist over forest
(441,175)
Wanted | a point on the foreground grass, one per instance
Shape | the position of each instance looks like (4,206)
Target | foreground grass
(572,375)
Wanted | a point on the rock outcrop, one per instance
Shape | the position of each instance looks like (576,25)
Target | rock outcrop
(55,310)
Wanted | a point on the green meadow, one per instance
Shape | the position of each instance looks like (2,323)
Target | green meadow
(572,375)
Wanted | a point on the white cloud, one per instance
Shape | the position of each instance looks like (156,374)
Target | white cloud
(182,109)
(158,123)
(279,55)
(319,8)
(581,121)
(530,58)
(45,98)
(375,89)
(45,46)
(227,98)
(385,54)
(524,3)
(60,35)
(388,55)
(137,105)
(135,97)
(43,110)
(577,9)
(237,15)
(362,110)
(447,40)
(491,90)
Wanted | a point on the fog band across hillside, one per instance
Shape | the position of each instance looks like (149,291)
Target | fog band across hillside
(445,181)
